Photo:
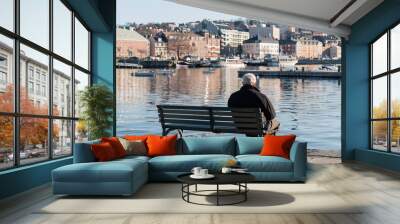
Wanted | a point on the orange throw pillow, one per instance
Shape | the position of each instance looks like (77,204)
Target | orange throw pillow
(161,145)
(103,152)
(136,137)
(277,145)
(116,145)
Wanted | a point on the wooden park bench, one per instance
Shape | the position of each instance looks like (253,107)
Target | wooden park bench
(211,119)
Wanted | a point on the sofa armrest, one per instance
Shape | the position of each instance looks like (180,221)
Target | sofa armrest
(83,152)
(298,155)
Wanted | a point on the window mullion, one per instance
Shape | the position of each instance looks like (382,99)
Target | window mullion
(16,85)
(73,81)
(389,100)
(50,81)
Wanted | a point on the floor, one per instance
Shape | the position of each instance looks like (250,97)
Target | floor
(379,189)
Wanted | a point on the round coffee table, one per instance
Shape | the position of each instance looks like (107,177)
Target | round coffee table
(238,179)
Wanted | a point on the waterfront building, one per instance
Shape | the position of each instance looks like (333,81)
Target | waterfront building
(181,44)
(131,44)
(259,48)
(213,46)
(159,46)
(287,47)
(264,31)
(302,48)
(308,48)
(232,40)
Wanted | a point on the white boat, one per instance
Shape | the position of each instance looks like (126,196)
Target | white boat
(144,73)
(235,62)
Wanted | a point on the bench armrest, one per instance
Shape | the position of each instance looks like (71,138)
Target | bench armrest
(298,155)
(83,152)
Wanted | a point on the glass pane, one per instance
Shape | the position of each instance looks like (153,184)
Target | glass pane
(6,75)
(395,94)
(379,97)
(379,135)
(62,29)
(81,81)
(62,138)
(33,139)
(34,97)
(395,138)
(81,131)
(6,142)
(62,89)
(379,55)
(7,14)
(395,47)
(35,21)
(81,45)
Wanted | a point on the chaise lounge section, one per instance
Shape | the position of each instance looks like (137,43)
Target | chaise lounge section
(125,176)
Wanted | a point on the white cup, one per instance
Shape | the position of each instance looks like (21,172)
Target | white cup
(226,170)
(196,171)
(203,172)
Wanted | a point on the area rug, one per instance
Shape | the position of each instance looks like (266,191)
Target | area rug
(166,198)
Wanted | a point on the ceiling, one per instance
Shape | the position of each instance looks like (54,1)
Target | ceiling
(330,16)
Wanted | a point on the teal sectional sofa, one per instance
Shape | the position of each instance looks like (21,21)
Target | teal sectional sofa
(125,176)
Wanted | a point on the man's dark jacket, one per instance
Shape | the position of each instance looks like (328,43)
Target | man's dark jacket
(250,96)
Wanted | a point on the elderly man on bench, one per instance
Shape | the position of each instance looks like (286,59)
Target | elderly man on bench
(249,96)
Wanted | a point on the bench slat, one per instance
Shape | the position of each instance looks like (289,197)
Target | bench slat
(176,121)
(237,119)
(189,117)
(185,112)
(234,114)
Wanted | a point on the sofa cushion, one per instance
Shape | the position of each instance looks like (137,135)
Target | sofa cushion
(136,147)
(249,145)
(208,145)
(185,163)
(112,171)
(257,163)
(161,145)
(116,145)
(277,145)
(103,152)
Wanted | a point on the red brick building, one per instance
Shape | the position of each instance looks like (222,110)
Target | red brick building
(131,44)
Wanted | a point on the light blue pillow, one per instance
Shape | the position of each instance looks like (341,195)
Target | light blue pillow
(249,145)
(208,145)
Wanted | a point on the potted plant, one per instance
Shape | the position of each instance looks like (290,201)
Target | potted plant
(96,103)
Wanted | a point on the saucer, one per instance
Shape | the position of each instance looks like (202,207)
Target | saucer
(208,176)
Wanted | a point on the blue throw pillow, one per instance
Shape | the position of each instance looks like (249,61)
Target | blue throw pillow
(249,145)
(208,145)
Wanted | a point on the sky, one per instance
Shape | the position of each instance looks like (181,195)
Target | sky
(144,11)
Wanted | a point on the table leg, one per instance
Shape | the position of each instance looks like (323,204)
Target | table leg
(245,193)
(195,188)
(217,194)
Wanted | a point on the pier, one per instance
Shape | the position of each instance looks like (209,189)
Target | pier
(292,74)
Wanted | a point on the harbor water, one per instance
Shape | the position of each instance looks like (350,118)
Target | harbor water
(307,107)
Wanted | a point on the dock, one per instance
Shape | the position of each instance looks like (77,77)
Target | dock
(292,74)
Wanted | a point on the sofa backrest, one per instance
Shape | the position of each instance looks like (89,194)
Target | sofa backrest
(249,145)
(208,145)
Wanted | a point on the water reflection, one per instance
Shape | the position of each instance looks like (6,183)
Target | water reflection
(309,108)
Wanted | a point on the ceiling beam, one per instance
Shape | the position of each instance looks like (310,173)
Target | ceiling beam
(346,12)
(268,15)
